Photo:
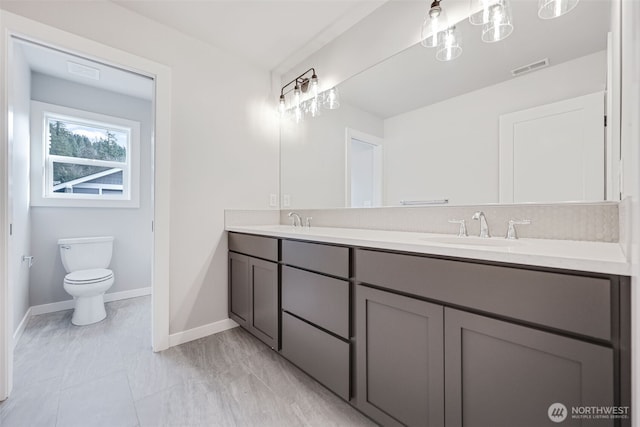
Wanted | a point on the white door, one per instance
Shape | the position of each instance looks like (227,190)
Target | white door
(364,170)
(555,152)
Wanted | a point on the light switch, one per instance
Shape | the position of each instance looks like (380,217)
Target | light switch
(286,200)
(273,200)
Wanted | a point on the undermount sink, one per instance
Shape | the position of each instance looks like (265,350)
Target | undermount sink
(472,241)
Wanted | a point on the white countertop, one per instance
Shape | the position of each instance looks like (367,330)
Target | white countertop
(596,257)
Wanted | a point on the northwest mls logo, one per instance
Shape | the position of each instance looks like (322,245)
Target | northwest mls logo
(557,412)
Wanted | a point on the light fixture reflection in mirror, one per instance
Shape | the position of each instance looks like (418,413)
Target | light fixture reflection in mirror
(332,99)
(549,9)
(450,46)
(481,17)
(434,23)
(499,25)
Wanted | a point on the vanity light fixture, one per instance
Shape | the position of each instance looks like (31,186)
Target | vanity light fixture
(549,9)
(304,84)
(435,22)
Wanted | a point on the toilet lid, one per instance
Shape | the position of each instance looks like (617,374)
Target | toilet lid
(88,276)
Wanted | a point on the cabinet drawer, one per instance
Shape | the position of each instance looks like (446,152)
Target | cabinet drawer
(261,247)
(319,299)
(572,303)
(324,357)
(326,259)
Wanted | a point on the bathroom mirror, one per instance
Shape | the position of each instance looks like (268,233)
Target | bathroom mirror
(520,120)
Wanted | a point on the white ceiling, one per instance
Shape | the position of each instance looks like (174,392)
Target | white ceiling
(55,63)
(274,34)
(414,78)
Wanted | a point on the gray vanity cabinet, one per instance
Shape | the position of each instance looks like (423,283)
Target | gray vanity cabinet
(315,312)
(253,286)
(502,374)
(400,368)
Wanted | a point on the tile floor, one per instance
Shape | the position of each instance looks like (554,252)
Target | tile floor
(106,375)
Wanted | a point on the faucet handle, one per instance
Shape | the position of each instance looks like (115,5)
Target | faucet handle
(307,221)
(462,232)
(511,230)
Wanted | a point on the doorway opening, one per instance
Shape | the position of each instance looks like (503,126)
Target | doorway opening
(363,170)
(98,178)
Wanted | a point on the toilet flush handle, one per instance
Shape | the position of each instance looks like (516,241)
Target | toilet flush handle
(28,259)
(65,247)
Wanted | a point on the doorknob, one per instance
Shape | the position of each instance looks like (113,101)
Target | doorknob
(29,259)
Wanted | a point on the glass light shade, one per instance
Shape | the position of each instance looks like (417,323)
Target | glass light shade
(297,94)
(481,8)
(450,44)
(434,23)
(549,9)
(499,26)
(332,99)
(313,86)
(282,105)
(312,107)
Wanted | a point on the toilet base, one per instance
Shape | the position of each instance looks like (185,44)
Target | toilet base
(88,310)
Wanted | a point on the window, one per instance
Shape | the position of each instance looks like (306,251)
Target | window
(86,159)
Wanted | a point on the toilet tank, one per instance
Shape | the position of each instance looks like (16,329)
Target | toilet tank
(83,253)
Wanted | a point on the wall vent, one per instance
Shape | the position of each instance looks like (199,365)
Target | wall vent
(83,70)
(530,67)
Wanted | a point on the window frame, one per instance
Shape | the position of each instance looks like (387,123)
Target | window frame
(42,188)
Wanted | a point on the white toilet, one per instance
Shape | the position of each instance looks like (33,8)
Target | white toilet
(86,260)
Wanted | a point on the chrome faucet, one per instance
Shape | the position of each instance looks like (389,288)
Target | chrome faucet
(297,220)
(484,227)
(511,230)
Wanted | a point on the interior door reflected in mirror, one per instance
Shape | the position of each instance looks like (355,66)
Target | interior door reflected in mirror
(440,129)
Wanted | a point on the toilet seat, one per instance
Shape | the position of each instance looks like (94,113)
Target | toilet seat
(87,277)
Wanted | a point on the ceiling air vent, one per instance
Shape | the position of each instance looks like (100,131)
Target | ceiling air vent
(83,70)
(530,67)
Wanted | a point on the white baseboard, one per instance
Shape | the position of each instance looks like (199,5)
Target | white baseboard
(201,332)
(23,324)
(133,293)
(68,304)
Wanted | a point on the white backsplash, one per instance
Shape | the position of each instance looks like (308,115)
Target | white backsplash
(598,222)
(564,221)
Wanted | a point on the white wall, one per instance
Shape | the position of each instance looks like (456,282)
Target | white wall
(450,149)
(131,227)
(313,156)
(224,142)
(629,30)
(19,183)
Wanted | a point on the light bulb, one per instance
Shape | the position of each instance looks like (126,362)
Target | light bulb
(282,105)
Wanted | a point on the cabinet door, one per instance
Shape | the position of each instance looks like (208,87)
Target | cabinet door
(501,374)
(239,288)
(399,347)
(263,279)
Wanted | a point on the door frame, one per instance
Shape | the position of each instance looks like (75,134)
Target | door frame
(11,26)
(377,143)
